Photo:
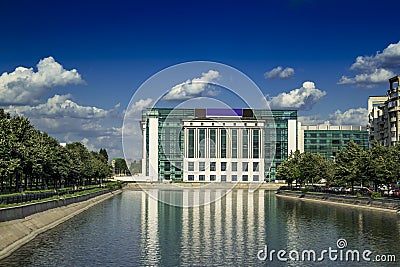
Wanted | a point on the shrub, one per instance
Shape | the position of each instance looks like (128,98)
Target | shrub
(376,195)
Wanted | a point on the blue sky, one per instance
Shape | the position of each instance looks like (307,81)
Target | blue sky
(115,46)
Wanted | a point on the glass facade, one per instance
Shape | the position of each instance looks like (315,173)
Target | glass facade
(170,141)
(275,138)
(329,142)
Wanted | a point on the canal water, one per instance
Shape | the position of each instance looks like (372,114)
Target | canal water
(240,229)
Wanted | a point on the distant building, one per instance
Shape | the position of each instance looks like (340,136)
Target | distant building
(327,139)
(384,115)
(222,145)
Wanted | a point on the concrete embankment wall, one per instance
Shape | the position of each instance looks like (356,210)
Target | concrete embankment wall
(19,212)
(203,185)
(15,233)
(362,202)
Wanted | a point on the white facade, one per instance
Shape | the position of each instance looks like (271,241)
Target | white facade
(241,161)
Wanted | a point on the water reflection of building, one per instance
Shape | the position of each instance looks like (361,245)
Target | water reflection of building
(217,226)
(149,224)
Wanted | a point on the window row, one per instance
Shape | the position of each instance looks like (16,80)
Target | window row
(223,178)
(213,143)
(223,166)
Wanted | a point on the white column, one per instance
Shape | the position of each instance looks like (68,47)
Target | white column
(143,125)
(292,131)
(153,148)
(300,137)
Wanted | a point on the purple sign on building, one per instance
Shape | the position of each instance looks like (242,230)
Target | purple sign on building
(224,112)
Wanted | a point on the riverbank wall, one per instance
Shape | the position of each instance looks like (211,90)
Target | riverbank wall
(46,215)
(22,211)
(203,185)
(358,202)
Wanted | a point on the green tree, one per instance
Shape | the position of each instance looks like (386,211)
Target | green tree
(376,167)
(120,167)
(104,153)
(349,163)
(289,169)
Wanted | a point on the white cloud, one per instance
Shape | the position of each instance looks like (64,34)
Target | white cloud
(137,107)
(368,79)
(141,104)
(311,120)
(302,98)
(194,87)
(25,86)
(279,73)
(375,69)
(354,116)
(60,106)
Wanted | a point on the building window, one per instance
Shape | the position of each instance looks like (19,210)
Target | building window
(167,166)
(256,134)
(255,178)
(223,178)
(178,165)
(234,143)
(190,177)
(255,166)
(223,143)
(191,144)
(167,177)
(202,166)
(190,166)
(223,166)
(212,143)
(234,166)
(201,177)
(212,166)
(245,166)
(245,143)
(234,178)
(202,143)
(212,177)
(245,178)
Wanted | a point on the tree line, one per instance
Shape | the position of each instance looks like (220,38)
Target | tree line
(33,160)
(351,166)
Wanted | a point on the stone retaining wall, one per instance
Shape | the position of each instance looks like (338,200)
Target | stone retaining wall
(15,233)
(382,204)
(19,212)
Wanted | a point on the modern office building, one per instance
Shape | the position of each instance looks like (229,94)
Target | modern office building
(222,145)
(327,140)
(384,115)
